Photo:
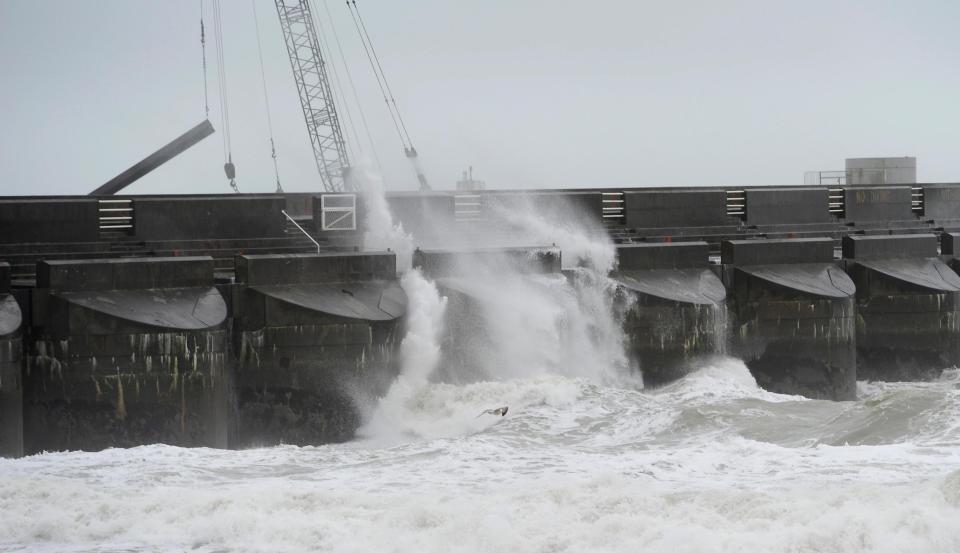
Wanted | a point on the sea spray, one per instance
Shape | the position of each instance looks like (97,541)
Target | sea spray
(381,232)
(584,243)
(419,354)
(515,324)
(505,325)
(591,342)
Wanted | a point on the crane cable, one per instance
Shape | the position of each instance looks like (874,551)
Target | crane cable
(408,148)
(203,51)
(353,88)
(228,167)
(266,99)
(385,83)
(383,90)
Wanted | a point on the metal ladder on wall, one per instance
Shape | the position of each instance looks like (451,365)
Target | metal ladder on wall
(115,218)
(737,203)
(613,209)
(467,207)
(836,202)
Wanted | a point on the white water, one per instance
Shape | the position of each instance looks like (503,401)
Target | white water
(711,463)
(396,418)
(381,232)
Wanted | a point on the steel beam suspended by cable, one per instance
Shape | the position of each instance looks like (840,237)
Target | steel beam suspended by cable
(156,159)
(316,98)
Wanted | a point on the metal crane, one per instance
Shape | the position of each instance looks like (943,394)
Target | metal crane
(316,98)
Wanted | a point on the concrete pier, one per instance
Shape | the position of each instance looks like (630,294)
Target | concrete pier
(794,313)
(907,302)
(677,309)
(11,352)
(318,336)
(113,344)
(126,352)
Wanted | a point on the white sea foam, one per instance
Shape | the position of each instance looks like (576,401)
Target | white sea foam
(718,379)
(574,466)
(395,416)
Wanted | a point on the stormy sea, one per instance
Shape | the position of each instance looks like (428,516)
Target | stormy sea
(709,463)
(586,458)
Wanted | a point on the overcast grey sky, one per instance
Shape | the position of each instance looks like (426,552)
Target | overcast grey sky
(531,93)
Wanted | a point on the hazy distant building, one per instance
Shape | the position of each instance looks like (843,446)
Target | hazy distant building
(868,171)
(881,170)
(468,183)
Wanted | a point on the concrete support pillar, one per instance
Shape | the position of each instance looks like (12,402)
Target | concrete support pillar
(794,313)
(318,338)
(127,352)
(908,300)
(677,307)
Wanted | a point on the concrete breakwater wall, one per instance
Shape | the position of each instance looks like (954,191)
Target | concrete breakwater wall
(185,324)
(908,302)
(678,311)
(317,334)
(794,315)
(123,352)
(805,320)
(119,352)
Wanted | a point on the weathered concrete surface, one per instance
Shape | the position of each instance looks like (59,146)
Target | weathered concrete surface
(877,203)
(941,202)
(676,208)
(318,336)
(794,316)
(11,351)
(950,247)
(127,352)
(32,220)
(676,307)
(209,217)
(908,301)
(784,206)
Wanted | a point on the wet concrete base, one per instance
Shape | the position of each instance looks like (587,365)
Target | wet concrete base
(670,339)
(272,415)
(311,384)
(11,398)
(907,346)
(803,367)
(908,300)
(808,349)
(172,388)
